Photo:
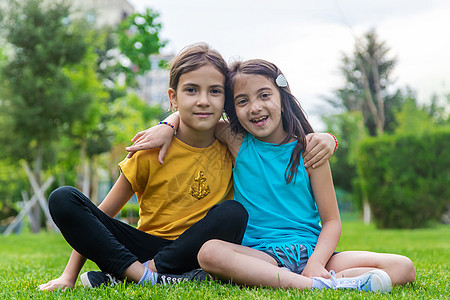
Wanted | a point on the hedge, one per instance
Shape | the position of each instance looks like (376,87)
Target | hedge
(406,178)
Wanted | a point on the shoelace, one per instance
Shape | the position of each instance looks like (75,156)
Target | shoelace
(113,280)
(171,280)
(344,283)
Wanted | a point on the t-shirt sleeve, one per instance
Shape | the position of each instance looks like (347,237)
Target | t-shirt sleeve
(136,170)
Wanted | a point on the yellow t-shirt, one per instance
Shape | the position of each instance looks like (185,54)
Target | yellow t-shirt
(174,196)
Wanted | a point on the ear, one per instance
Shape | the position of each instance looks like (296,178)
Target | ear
(173,98)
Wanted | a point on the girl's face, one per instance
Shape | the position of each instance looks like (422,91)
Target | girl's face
(199,98)
(257,102)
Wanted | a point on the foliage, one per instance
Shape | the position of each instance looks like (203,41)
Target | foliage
(12,181)
(348,128)
(138,39)
(439,109)
(29,260)
(44,41)
(367,80)
(412,120)
(406,177)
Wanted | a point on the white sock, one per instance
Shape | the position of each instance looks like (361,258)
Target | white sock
(321,283)
(146,264)
(149,277)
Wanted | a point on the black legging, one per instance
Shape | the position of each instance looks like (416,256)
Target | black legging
(114,245)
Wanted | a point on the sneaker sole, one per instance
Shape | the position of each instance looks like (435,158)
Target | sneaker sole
(380,282)
(85,280)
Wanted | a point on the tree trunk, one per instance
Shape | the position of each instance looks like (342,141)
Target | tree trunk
(84,181)
(367,213)
(36,209)
(376,111)
(378,97)
(94,179)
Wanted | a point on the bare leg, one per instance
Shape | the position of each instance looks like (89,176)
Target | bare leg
(151,265)
(353,263)
(134,272)
(247,266)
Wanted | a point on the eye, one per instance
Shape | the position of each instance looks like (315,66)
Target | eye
(264,95)
(241,101)
(216,91)
(191,90)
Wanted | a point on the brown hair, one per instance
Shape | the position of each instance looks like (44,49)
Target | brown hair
(294,120)
(192,58)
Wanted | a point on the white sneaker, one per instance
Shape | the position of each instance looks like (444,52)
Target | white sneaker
(372,281)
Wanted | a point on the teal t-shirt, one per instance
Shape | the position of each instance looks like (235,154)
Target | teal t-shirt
(280,214)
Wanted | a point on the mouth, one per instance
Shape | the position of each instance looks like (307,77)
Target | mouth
(203,114)
(260,121)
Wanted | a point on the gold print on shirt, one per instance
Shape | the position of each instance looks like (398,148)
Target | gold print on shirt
(201,189)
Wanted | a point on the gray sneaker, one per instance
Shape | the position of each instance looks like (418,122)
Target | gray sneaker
(94,279)
(194,275)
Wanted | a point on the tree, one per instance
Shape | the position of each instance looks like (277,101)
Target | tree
(44,41)
(367,74)
(138,39)
(90,96)
(367,91)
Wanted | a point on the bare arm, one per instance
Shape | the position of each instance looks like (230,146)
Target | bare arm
(159,136)
(117,197)
(223,133)
(319,148)
(322,186)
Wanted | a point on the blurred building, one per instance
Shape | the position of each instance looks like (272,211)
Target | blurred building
(154,84)
(152,87)
(103,12)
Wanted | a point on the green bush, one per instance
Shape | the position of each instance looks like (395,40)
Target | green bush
(406,178)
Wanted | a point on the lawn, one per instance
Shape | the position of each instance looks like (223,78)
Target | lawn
(28,260)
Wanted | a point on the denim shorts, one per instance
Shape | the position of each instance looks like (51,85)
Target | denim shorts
(287,262)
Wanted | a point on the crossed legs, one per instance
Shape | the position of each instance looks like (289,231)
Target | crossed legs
(247,266)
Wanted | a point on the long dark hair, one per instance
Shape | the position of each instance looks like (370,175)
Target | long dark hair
(294,120)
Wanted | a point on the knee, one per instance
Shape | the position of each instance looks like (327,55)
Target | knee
(209,255)
(403,268)
(58,201)
(408,268)
(234,212)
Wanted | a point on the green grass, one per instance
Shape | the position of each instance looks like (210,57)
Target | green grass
(28,260)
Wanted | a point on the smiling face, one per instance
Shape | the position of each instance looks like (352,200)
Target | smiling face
(257,102)
(199,98)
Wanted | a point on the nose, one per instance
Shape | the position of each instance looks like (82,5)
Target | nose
(203,99)
(255,106)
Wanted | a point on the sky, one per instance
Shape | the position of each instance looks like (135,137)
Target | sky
(307,39)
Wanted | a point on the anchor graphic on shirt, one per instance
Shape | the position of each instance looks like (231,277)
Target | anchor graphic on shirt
(202,189)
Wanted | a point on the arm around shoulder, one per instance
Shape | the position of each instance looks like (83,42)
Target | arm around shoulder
(158,136)
(319,148)
(224,134)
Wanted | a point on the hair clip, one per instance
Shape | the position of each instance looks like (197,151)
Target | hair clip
(281,81)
